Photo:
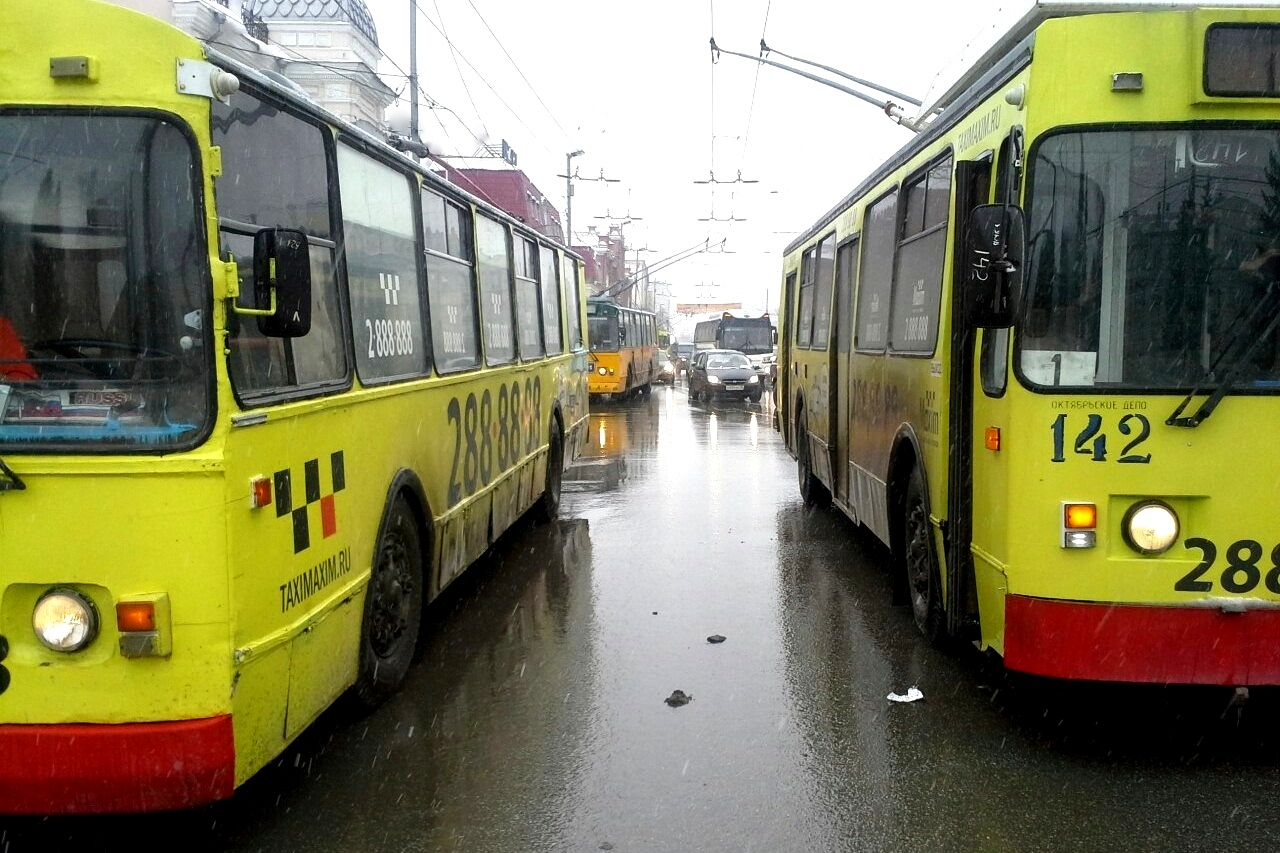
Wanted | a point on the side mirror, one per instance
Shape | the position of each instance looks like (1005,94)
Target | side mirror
(995,243)
(281,283)
(622,334)
(775,335)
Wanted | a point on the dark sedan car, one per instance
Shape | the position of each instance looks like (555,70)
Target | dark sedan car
(723,373)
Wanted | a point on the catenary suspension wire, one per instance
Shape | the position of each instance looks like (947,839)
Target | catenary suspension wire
(751,109)
(518,70)
(453,52)
(482,79)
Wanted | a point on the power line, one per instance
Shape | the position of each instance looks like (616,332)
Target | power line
(453,52)
(751,109)
(630,281)
(472,66)
(518,71)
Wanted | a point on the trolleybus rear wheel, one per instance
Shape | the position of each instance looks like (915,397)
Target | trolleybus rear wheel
(392,608)
(548,506)
(920,562)
(811,489)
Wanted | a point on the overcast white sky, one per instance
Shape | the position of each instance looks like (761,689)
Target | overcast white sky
(633,85)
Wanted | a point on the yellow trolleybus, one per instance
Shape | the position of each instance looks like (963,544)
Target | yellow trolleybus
(1036,352)
(266,388)
(624,349)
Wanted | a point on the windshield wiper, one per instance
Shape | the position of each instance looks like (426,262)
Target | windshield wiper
(9,481)
(1265,307)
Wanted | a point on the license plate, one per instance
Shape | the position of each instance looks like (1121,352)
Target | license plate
(733,386)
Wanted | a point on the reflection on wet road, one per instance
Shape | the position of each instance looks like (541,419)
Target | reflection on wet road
(536,719)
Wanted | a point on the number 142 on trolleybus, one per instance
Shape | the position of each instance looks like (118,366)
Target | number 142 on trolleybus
(266,388)
(1037,352)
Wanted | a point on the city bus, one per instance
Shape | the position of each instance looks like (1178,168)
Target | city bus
(267,386)
(1035,352)
(754,337)
(624,349)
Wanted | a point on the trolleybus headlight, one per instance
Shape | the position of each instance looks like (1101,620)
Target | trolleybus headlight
(64,620)
(1151,527)
(602,371)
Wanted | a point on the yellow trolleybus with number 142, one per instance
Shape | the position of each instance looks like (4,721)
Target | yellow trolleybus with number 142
(266,387)
(1036,352)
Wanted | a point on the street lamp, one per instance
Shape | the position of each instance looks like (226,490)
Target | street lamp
(568,196)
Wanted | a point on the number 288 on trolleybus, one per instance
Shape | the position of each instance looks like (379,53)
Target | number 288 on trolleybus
(1037,352)
(266,388)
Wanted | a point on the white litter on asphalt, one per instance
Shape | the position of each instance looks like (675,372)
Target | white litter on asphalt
(912,695)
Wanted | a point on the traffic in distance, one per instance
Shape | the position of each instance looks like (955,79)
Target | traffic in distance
(1034,353)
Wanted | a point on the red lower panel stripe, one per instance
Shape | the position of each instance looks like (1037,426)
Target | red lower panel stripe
(94,769)
(1125,642)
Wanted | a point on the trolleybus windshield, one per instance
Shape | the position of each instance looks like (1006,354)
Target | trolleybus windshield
(1147,251)
(602,327)
(751,335)
(102,284)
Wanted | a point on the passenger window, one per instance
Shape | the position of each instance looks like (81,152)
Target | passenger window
(824,266)
(451,294)
(529,322)
(917,290)
(550,284)
(572,306)
(876,274)
(495,291)
(804,312)
(382,268)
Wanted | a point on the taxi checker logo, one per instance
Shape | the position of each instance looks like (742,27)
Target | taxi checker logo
(286,505)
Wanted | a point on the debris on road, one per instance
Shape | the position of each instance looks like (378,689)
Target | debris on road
(912,695)
(678,698)
(715,638)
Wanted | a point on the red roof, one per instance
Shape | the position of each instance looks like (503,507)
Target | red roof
(512,191)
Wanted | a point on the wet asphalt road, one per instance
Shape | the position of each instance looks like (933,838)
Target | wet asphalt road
(536,719)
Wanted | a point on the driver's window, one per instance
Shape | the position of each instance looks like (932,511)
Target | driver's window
(275,173)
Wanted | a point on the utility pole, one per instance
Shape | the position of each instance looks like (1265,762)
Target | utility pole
(568,196)
(413,71)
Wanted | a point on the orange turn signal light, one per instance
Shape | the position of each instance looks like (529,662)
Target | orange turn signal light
(260,492)
(1080,516)
(136,616)
(993,438)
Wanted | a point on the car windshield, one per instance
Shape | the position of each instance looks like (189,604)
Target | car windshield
(727,361)
(1144,258)
(103,284)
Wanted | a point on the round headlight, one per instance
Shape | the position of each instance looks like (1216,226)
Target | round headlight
(602,371)
(1151,527)
(64,620)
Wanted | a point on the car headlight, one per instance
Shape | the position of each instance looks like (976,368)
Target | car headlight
(753,379)
(714,380)
(1150,527)
(64,620)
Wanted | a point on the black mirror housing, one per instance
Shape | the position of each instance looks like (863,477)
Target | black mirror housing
(995,246)
(282,262)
